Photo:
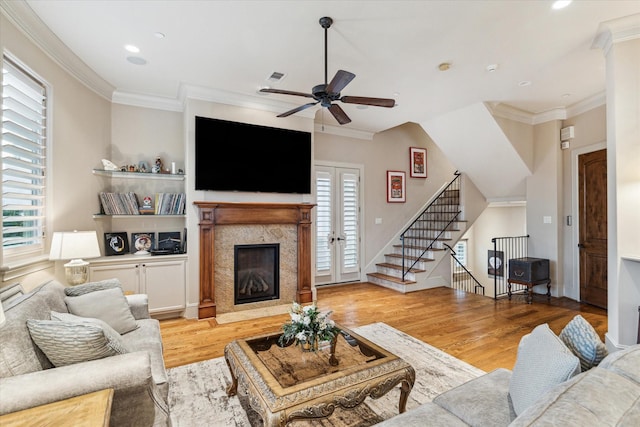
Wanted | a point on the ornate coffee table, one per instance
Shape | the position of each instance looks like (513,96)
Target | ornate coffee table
(285,383)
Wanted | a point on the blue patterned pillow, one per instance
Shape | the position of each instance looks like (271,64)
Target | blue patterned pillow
(584,342)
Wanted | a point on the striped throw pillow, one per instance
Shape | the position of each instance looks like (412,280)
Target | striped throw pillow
(583,341)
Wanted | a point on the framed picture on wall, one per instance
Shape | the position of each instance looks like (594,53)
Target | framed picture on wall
(396,187)
(495,263)
(418,162)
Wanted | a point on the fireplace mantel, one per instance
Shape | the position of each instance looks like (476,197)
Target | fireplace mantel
(223,213)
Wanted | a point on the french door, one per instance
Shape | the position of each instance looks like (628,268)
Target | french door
(337,224)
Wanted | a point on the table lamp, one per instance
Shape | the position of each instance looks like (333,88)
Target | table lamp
(75,245)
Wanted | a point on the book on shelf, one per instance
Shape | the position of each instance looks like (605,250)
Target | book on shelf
(170,203)
(119,203)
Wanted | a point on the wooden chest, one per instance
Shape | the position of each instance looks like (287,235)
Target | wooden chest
(528,269)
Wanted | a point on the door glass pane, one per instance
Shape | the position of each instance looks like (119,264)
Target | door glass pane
(323,222)
(350,220)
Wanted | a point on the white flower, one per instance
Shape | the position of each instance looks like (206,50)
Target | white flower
(306,320)
(301,336)
(296,318)
(309,308)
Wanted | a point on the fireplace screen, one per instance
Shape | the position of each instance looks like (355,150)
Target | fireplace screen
(256,270)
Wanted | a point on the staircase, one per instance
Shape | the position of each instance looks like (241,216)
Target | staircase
(408,265)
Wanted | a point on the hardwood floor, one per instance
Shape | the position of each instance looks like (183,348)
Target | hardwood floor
(476,329)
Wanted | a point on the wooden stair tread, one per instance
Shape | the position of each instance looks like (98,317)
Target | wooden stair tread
(419,248)
(391,278)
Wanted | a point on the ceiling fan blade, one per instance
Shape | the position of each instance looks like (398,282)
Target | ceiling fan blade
(339,114)
(286,92)
(363,100)
(339,81)
(297,109)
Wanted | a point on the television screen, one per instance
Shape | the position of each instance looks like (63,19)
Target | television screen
(233,156)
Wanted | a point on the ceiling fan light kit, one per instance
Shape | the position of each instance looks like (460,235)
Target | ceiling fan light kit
(326,93)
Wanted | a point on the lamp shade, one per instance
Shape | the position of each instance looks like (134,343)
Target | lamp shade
(74,245)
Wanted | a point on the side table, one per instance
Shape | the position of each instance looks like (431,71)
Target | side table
(87,410)
(530,286)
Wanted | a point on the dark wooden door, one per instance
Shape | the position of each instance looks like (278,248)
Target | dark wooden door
(592,195)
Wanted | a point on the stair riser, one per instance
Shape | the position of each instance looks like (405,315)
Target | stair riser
(429,234)
(414,253)
(395,273)
(422,244)
(420,265)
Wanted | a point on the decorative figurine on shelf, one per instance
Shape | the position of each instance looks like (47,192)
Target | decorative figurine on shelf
(143,166)
(157,167)
(109,166)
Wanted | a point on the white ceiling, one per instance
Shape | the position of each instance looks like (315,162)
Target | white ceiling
(393,47)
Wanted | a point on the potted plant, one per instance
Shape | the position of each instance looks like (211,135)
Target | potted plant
(307,327)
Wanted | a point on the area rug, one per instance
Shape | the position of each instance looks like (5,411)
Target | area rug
(197,392)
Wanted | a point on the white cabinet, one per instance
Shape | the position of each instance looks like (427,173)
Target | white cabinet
(162,278)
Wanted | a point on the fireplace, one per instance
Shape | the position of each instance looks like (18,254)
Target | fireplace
(256,271)
(225,224)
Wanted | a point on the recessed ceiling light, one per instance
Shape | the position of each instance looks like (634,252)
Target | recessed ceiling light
(131,48)
(492,67)
(159,35)
(566,95)
(560,4)
(444,66)
(136,60)
(524,83)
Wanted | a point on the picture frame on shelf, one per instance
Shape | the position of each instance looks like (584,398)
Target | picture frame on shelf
(116,243)
(396,187)
(418,162)
(142,243)
(170,242)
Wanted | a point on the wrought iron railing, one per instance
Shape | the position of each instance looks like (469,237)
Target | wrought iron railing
(462,278)
(424,233)
(505,249)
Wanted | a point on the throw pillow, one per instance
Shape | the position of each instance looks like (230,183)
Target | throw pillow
(583,340)
(542,362)
(115,339)
(66,343)
(108,305)
(74,291)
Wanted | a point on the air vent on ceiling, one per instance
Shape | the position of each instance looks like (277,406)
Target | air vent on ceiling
(276,77)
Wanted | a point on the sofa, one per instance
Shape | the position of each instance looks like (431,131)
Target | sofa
(59,342)
(548,386)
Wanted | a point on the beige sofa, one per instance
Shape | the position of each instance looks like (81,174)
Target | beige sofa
(135,371)
(605,395)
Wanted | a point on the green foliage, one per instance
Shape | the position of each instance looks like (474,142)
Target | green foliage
(308,325)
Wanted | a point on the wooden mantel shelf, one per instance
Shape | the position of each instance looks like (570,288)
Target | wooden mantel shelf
(225,213)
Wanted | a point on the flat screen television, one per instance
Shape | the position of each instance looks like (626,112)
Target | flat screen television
(233,156)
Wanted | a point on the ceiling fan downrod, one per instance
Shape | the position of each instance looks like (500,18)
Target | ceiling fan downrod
(325,22)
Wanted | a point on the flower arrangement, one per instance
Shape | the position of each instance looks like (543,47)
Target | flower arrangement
(308,326)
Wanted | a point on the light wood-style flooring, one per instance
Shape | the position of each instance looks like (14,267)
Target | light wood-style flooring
(476,329)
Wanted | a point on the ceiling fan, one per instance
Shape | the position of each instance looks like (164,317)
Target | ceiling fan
(325,94)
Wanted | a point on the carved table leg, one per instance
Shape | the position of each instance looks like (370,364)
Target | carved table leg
(405,389)
(509,290)
(529,294)
(233,387)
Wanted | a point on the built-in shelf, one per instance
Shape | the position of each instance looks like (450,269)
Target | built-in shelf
(103,216)
(635,258)
(139,175)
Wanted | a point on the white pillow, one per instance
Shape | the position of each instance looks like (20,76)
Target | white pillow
(66,343)
(108,305)
(542,362)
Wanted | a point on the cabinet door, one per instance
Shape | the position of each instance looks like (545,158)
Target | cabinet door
(128,274)
(164,283)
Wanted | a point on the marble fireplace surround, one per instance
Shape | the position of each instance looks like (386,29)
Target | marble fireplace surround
(267,216)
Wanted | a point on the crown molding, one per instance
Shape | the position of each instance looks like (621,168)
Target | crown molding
(147,101)
(26,20)
(616,31)
(587,104)
(257,102)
